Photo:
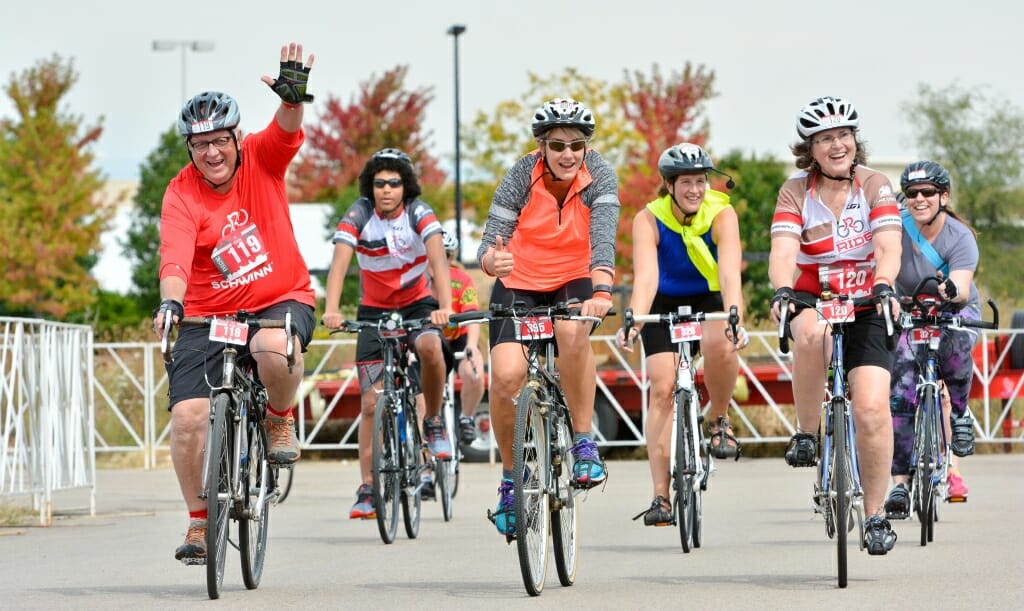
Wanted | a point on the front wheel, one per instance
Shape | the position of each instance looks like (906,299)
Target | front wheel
(413,466)
(530,472)
(218,492)
(564,508)
(386,470)
(685,471)
(841,486)
(445,480)
(258,492)
(926,449)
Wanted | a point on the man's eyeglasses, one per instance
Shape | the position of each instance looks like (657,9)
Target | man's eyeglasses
(200,146)
(927,192)
(559,145)
(394,183)
(842,136)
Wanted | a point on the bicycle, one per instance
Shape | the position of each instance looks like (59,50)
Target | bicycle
(931,455)
(239,482)
(691,462)
(838,495)
(545,499)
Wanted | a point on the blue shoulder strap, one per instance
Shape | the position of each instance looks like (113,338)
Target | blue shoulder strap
(924,245)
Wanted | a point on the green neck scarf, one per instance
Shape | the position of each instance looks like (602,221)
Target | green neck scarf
(696,248)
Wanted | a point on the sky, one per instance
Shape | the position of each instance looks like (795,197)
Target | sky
(770,57)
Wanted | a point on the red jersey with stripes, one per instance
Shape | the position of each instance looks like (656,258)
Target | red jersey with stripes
(391,252)
(464,299)
(237,250)
(839,249)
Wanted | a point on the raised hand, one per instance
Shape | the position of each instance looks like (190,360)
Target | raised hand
(290,84)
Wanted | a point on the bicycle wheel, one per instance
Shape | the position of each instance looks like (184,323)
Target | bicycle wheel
(685,469)
(565,509)
(696,498)
(531,507)
(841,485)
(257,497)
(444,485)
(926,445)
(218,492)
(283,476)
(386,470)
(413,466)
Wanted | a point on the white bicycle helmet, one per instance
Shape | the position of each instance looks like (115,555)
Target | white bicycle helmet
(825,113)
(451,243)
(562,112)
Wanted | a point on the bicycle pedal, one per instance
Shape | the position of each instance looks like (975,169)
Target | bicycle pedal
(956,499)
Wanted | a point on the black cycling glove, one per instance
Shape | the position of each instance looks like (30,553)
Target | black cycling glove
(171,306)
(782,292)
(882,291)
(291,83)
(951,290)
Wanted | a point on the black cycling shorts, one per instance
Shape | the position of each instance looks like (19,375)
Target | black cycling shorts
(370,348)
(503,330)
(656,336)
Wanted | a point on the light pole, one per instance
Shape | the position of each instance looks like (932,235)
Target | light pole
(454,32)
(195,45)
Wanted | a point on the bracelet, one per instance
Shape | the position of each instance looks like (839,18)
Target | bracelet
(603,288)
(605,293)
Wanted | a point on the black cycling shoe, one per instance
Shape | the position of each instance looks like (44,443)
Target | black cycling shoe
(802,450)
(723,443)
(659,514)
(879,538)
(897,504)
(467,429)
(962,443)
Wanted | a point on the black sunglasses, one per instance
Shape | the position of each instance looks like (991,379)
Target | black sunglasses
(559,145)
(394,183)
(927,192)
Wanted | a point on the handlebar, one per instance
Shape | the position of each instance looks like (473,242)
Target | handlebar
(683,314)
(858,302)
(389,321)
(242,317)
(563,309)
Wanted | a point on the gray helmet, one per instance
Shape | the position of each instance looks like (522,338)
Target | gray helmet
(451,243)
(684,158)
(925,172)
(392,153)
(209,111)
(562,112)
(825,113)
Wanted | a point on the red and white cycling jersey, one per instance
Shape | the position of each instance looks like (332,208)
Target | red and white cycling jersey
(839,243)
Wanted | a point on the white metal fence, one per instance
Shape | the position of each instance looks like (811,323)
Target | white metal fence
(132,389)
(46,411)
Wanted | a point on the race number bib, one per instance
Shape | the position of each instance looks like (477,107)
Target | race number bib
(535,327)
(923,335)
(685,332)
(228,331)
(835,311)
(239,252)
(848,278)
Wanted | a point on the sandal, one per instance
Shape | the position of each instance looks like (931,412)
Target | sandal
(723,443)
(659,513)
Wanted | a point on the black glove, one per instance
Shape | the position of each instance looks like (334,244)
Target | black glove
(782,292)
(171,307)
(950,288)
(882,291)
(291,83)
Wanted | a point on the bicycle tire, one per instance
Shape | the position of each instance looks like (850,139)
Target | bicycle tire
(256,480)
(927,445)
(682,478)
(443,486)
(565,509)
(386,470)
(696,500)
(284,475)
(218,492)
(413,466)
(531,506)
(841,485)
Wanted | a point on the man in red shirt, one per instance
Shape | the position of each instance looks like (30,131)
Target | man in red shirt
(227,244)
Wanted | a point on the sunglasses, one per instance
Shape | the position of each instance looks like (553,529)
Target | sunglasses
(927,192)
(559,145)
(394,183)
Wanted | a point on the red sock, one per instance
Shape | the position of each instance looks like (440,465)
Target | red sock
(286,413)
(198,515)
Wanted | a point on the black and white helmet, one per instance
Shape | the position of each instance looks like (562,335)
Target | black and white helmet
(925,172)
(562,112)
(684,158)
(825,113)
(209,111)
(451,243)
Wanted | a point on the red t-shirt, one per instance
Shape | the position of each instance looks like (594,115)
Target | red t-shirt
(464,299)
(238,250)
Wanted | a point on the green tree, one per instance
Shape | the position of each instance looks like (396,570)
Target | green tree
(980,140)
(50,224)
(142,242)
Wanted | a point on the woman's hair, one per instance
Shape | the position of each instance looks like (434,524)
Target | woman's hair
(663,189)
(805,159)
(577,133)
(953,214)
(410,184)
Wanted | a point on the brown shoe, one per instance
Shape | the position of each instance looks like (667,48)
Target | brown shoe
(284,445)
(193,551)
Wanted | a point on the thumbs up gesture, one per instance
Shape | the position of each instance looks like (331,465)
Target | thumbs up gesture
(497,260)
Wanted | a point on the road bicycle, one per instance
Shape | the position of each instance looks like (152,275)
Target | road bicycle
(546,501)
(239,482)
(925,323)
(691,461)
(838,495)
